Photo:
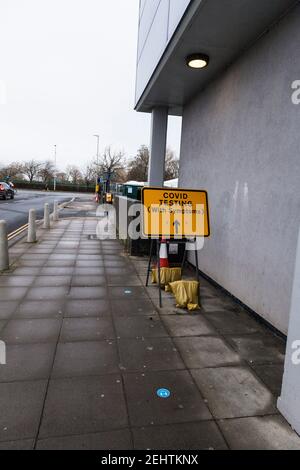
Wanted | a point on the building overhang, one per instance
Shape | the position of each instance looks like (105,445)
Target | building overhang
(222,29)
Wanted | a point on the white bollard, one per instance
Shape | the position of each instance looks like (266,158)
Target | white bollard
(46,216)
(4,258)
(55,212)
(31,236)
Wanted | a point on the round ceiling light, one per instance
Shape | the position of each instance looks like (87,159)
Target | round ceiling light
(197,61)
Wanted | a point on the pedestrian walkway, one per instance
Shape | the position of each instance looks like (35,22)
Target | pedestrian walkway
(88,349)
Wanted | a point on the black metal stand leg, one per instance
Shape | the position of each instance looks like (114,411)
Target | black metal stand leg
(149,264)
(183,259)
(197,269)
(159,277)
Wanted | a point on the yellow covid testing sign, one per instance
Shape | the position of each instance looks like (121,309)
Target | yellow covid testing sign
(176,213)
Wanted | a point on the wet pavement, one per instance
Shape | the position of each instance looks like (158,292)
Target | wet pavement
(88,349)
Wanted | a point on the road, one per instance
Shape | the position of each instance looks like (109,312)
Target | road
(15,211)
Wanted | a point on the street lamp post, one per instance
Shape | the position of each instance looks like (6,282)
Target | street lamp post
(54,179)
(97,158)
(97,167)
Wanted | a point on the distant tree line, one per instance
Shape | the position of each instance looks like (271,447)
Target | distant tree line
(137,168)
(111,164)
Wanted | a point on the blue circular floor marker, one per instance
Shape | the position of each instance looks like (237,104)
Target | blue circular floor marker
(163,393)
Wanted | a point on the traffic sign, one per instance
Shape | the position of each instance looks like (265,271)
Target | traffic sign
(175,213)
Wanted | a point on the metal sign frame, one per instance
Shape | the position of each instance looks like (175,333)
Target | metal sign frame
(169,243)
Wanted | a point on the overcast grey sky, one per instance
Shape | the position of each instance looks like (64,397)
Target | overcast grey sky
(68,67)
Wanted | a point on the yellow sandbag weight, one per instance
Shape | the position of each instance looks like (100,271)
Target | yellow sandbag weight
(167,275)
(186,294)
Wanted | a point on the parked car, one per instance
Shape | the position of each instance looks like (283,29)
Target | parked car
(6,191)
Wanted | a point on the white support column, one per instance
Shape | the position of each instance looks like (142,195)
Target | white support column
(159,127)
(289,402)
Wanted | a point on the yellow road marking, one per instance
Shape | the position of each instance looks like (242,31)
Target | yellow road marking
(17,232)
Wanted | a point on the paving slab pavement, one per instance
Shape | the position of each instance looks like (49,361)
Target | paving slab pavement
(88,348)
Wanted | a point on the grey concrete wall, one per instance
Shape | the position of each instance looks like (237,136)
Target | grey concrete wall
(241,142)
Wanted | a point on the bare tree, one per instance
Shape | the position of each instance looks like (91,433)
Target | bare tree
(89,173)
(138,166)
(31,169)
(46,172)
(171,165)
(12,170)
(61,176)
(112,163)
(74,174)
(121,176)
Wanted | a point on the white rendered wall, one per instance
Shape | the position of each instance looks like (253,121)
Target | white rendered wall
(289,401)
(241,142)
